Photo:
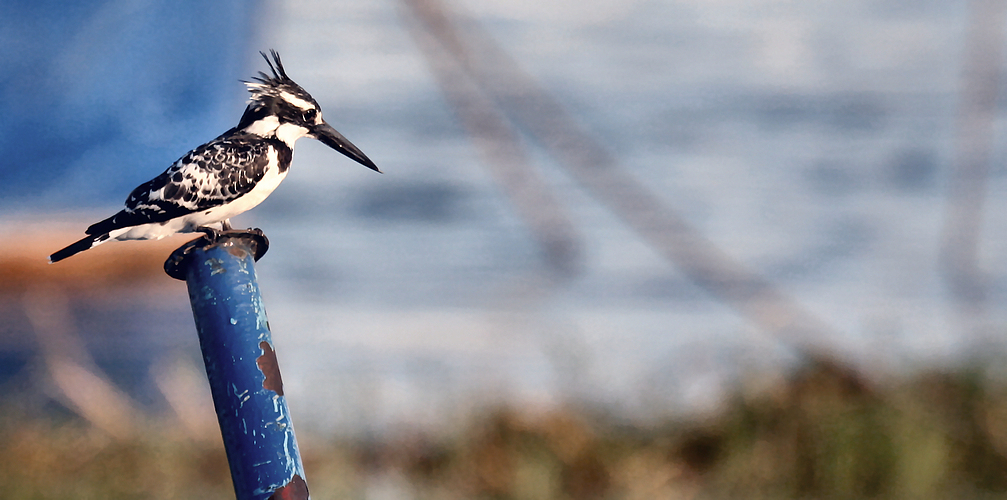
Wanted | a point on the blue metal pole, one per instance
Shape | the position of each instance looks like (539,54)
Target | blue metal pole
(241,363)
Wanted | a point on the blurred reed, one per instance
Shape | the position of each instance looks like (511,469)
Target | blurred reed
(819,434)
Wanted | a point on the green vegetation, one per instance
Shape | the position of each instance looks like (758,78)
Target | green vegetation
(822,434)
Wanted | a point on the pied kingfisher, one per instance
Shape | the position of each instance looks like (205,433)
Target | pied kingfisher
(228,175)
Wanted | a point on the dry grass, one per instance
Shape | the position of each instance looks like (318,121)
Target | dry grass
(820,435)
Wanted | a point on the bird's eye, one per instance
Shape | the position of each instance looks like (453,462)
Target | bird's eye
(309,115)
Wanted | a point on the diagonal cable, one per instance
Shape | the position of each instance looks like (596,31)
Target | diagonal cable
(500,146)
(595,168)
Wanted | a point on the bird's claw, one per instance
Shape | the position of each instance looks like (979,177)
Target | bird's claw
(210,233)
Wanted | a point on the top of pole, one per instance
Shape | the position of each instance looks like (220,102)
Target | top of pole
(233,241)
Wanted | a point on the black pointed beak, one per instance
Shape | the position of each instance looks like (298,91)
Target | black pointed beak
(328,135)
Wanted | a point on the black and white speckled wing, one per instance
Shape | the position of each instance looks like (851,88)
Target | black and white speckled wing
(209,176)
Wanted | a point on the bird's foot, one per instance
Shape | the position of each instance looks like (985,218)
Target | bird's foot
(211,234)
(214,235)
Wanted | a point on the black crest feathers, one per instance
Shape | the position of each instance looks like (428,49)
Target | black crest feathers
(265,86)
(279,75)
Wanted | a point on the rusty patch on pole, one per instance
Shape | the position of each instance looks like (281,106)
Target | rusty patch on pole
(296,489)
(267,364)
(237,251)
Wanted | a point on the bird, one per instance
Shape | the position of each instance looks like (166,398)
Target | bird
(228,175)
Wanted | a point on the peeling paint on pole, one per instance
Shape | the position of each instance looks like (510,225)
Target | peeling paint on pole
(241,364)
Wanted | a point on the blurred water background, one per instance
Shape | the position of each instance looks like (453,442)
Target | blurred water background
(819,144)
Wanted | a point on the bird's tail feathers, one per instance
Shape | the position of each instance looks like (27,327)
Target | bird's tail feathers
(85,243)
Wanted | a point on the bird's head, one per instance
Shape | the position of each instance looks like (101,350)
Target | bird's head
(282,109)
